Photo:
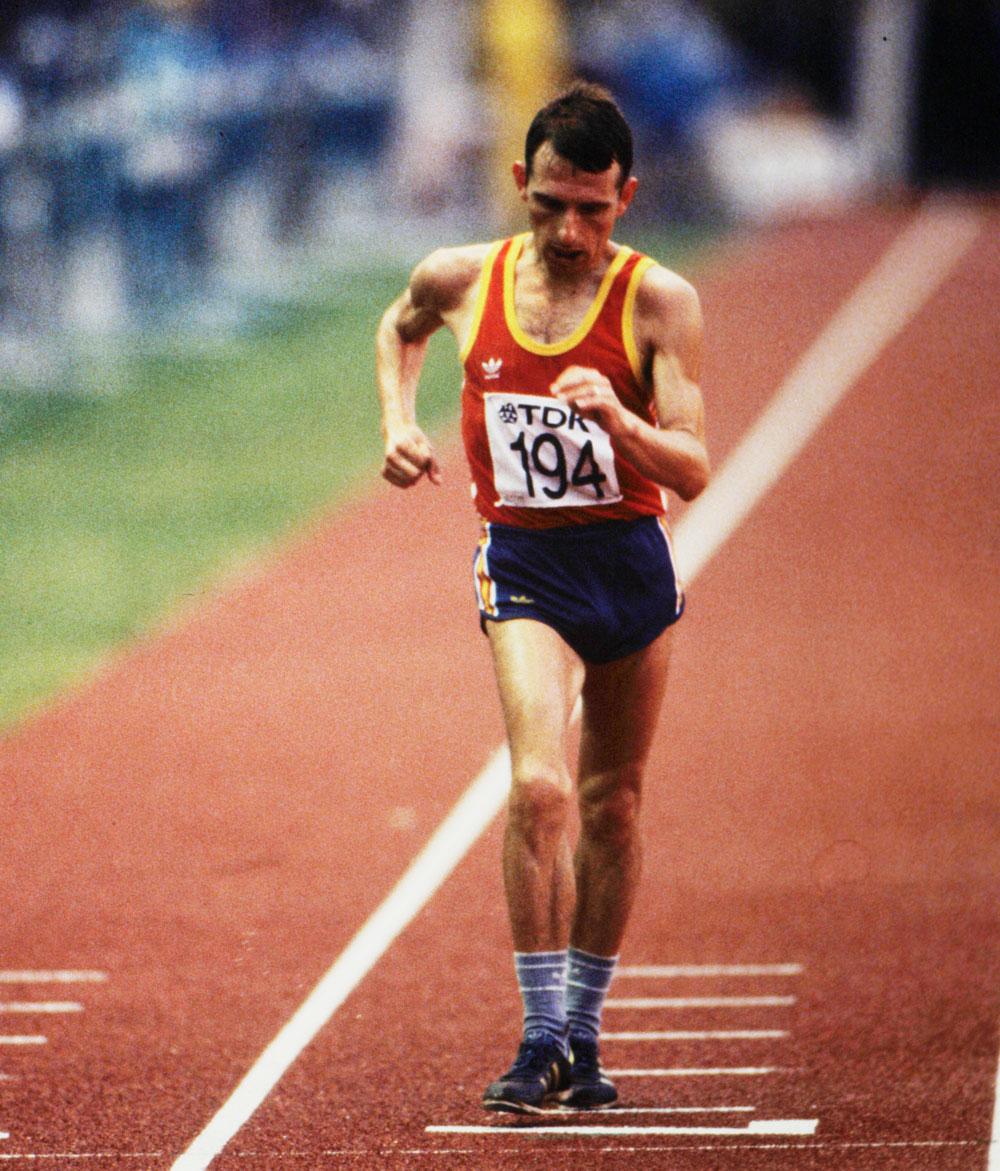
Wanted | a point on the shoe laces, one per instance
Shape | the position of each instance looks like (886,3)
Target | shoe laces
(535,1055)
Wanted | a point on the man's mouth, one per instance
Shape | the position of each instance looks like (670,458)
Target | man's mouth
(567,254)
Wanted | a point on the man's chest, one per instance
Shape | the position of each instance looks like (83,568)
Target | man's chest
(548,319)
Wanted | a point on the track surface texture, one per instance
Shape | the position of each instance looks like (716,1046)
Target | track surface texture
(210,821)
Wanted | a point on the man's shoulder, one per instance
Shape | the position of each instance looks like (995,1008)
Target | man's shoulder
(663,293)
(447,275)
(661,285)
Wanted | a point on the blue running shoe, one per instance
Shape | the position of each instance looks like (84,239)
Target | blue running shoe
(539,1074)
(590,1087)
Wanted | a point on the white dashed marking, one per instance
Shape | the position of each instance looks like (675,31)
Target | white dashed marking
(777,1126)
(645,1002)
(39,1006)
(706,1035)
(707,971)
(726,1071)
(562,1111)
(54,977)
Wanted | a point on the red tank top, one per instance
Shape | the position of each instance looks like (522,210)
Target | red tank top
(534,462)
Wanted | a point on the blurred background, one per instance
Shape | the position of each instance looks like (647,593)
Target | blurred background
(204,206)
(163,161)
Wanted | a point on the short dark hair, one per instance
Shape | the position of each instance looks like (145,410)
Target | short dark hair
(585,127)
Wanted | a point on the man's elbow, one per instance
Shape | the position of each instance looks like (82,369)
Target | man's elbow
(694,481)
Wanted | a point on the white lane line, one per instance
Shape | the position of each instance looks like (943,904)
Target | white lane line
(442,853)
(35,1006)
(23,1040)
(732,1071)
(775,1127)
(912,268)
(563,1111)
(53,977)
(708,971)
(905,278)
(704,1035)
(994,1156)
(645,1002)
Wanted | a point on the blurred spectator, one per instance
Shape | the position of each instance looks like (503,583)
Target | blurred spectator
(671,68)
(148,148)
(43,51)
(168,61)
(665,61)
(153,150)
(340,94)
(11,114)
(441,131)
(11,130)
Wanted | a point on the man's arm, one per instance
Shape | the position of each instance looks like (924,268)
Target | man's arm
(669,335)
(438,288)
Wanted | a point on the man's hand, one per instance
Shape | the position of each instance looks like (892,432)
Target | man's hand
(591,395)
(408,456)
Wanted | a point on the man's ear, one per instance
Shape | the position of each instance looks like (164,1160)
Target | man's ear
(520,173)
(627,192)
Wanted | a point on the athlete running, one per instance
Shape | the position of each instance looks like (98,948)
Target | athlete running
(580,405)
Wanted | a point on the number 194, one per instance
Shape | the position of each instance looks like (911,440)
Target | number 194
(546,457)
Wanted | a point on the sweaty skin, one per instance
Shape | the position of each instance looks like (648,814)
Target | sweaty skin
(553,895)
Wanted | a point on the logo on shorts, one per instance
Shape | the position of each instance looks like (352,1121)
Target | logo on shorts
(521,600)
(491,367)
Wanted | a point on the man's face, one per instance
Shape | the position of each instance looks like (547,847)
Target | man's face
(572,212)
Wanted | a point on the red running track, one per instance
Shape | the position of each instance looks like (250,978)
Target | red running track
(210,822)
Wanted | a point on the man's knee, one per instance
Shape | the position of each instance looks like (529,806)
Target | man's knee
(539,800)
(609,808)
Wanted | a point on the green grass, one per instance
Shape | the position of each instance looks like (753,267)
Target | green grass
(114,507)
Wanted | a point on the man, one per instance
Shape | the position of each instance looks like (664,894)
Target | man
(580,404)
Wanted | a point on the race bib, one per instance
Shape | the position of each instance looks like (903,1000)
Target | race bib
(546,456)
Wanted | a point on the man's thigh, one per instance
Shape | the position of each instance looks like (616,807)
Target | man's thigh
(621,706)
(539,677)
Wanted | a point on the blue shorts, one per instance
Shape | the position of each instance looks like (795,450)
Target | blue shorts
(609,588)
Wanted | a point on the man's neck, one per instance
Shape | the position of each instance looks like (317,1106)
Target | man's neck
(566,284)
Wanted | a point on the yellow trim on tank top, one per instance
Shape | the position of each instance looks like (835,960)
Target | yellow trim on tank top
(481,295)
(585,326)
(628,316)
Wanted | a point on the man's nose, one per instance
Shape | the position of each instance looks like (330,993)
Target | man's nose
(569,227)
